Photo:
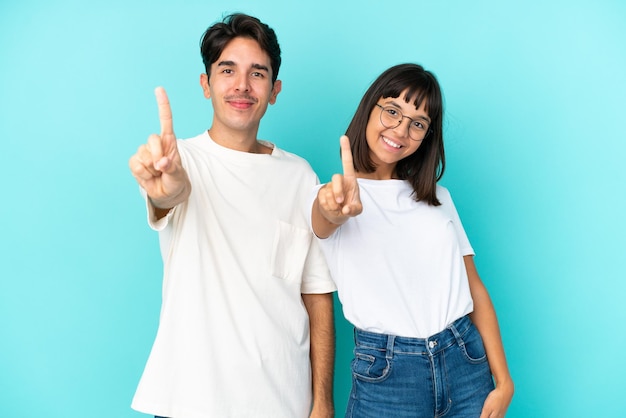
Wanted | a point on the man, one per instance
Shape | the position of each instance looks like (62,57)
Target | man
(246,325)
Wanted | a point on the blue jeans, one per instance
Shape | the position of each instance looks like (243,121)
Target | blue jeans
(444,375)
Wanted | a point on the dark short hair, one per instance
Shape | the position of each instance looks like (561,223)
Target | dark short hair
(217,36)
(426,165)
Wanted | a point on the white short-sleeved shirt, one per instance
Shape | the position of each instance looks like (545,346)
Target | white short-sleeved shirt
(233,337)
(399,265)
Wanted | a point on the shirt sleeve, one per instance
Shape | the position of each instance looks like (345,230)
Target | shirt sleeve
(448,205)
(310,201)
(154,223)
(316,277)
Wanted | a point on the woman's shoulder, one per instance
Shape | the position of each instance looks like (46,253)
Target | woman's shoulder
(443,192)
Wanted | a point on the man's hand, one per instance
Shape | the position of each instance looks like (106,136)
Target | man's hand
(339,200)
(157,165)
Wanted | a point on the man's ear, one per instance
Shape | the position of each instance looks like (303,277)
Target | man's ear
(278,85)
(204,82)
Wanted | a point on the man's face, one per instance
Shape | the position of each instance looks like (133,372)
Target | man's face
(240,87)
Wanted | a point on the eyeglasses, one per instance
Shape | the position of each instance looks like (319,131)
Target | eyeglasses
(391,118)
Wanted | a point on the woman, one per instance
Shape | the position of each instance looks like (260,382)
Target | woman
(427,340)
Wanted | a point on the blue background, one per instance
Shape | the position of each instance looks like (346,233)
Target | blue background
(534,95)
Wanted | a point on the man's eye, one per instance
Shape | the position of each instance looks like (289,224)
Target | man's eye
(257,74)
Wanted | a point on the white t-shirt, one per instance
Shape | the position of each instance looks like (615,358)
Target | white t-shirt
(233,337)
(399,265)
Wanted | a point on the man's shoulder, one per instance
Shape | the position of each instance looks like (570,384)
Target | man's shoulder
(191,141)
(291,158)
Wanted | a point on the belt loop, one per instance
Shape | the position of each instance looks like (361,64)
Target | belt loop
(457,336)
(390,341)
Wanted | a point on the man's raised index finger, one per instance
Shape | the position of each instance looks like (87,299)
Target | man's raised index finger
(346,156)
(165,112)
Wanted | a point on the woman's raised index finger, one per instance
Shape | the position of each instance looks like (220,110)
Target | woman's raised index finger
(165,112)
(346,156)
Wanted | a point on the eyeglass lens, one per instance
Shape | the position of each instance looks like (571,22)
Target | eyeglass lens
(391,117)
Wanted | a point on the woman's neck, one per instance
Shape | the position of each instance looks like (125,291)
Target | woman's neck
(377,175)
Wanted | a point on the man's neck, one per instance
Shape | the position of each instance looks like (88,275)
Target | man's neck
(239,142)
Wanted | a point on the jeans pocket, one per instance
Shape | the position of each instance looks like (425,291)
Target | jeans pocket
(370,365)
(473,348)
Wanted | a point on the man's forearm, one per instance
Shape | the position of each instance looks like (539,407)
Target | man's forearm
(321,319)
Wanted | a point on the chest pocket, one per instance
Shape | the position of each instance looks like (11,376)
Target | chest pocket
(289,252)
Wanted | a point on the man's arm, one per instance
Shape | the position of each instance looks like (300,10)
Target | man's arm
(157,165)
(322,325)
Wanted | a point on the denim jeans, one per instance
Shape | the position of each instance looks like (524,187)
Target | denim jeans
(444,375)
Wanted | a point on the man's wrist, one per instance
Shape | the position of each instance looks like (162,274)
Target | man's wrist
(172,201)
(160,204)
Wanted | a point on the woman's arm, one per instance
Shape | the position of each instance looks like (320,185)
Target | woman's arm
(338,200)
(485,320)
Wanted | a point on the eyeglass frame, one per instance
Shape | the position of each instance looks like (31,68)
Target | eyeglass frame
(382,109)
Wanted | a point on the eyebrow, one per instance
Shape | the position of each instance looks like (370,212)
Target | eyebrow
(424,118)
(232,64)
(260,67)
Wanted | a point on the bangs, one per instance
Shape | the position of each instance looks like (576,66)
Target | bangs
(416,90)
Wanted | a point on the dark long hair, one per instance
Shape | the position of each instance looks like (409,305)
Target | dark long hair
(216,37)
(426,165)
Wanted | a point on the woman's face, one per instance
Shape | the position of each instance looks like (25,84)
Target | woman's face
(388,145)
